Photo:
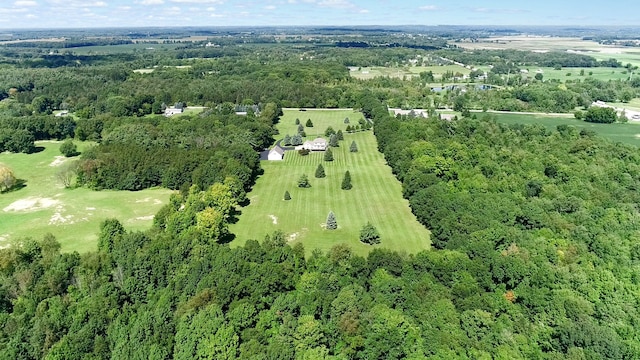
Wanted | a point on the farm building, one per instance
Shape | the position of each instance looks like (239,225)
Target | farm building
(170,111)
(317,144)
(277,153)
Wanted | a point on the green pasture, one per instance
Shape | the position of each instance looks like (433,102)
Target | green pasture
(405,71)
(634,104)
(73,216)
(376,195)
(628,133)
(599,73)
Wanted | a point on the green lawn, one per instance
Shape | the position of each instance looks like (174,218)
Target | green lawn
(628,133)
(72,215)
(376,195)
(405,71)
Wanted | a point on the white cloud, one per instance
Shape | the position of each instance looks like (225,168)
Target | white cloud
(198,1)
(25,3)
(429,8)
(151,2)
(340,4)
(270,7)
(363,11)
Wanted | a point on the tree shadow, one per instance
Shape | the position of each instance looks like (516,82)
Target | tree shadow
(226,239)
(20,183)
(37,149)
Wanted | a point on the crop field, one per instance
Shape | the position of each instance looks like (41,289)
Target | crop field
(119,49)
(405,71)
(376,195)
(628,133)
(73,216)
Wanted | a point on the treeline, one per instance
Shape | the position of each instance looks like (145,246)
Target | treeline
(525,58)
(543,220)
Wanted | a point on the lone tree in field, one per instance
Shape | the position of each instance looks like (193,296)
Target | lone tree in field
(300,128)
(369,234)
(68,148)
(329,131)
(339,135)
(333,141)
(346,120)
(320,171)
(287,196)
(303,182)
(346,181)
(331,221)
(328,155)
(297,121)
(309,123)
(7,178)
(353,147)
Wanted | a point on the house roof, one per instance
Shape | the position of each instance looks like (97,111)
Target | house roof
(278,150)
(319,140)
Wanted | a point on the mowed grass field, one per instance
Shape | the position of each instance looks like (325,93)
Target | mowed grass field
(73,216)
(628,133)
(376,195)
(405,71)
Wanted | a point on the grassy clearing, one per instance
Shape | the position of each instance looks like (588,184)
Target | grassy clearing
(598,73)
(626,133)
(71,215)
(405,71)
(376,195)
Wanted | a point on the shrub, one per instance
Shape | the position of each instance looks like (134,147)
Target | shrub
(369,234)
(68,148)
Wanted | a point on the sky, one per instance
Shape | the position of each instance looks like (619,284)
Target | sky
(22,14)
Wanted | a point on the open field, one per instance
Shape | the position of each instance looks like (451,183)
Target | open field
(405,71)
(73,216)
(548,43)
(599,73)
(376,195)
(626,133)
(118,49)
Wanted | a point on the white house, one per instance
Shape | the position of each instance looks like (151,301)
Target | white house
(277,153)
(170,111)
(317,144)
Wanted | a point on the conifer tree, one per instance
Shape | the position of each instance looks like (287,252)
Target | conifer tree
(346,181)
(332,224)
(303,181)
(353,147)
(328,155)
(339,135)
(333,141)
(287,196)
(320,171)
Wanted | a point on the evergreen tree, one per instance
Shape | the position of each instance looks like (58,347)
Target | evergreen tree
(309,123)
(353,147)
(346,120)
(339,135)
(333,141)
(297,121)
(328,155)
(369,234)
(331,221)
(296,140)
(346,181)
(287,140)
(349,129)
(303,134)
(287,196)
(300,128)
(320,171)
(303,181)
(329,131)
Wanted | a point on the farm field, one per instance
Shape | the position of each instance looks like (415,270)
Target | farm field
(376,195)
(598,73)
(119,49)
(73,216)
(628,133)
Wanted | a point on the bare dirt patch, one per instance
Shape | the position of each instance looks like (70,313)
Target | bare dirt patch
(292,237)
(31,204)
(274,219)
(148,217)
(59,160)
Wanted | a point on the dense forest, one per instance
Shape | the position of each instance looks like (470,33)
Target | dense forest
(535,232)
